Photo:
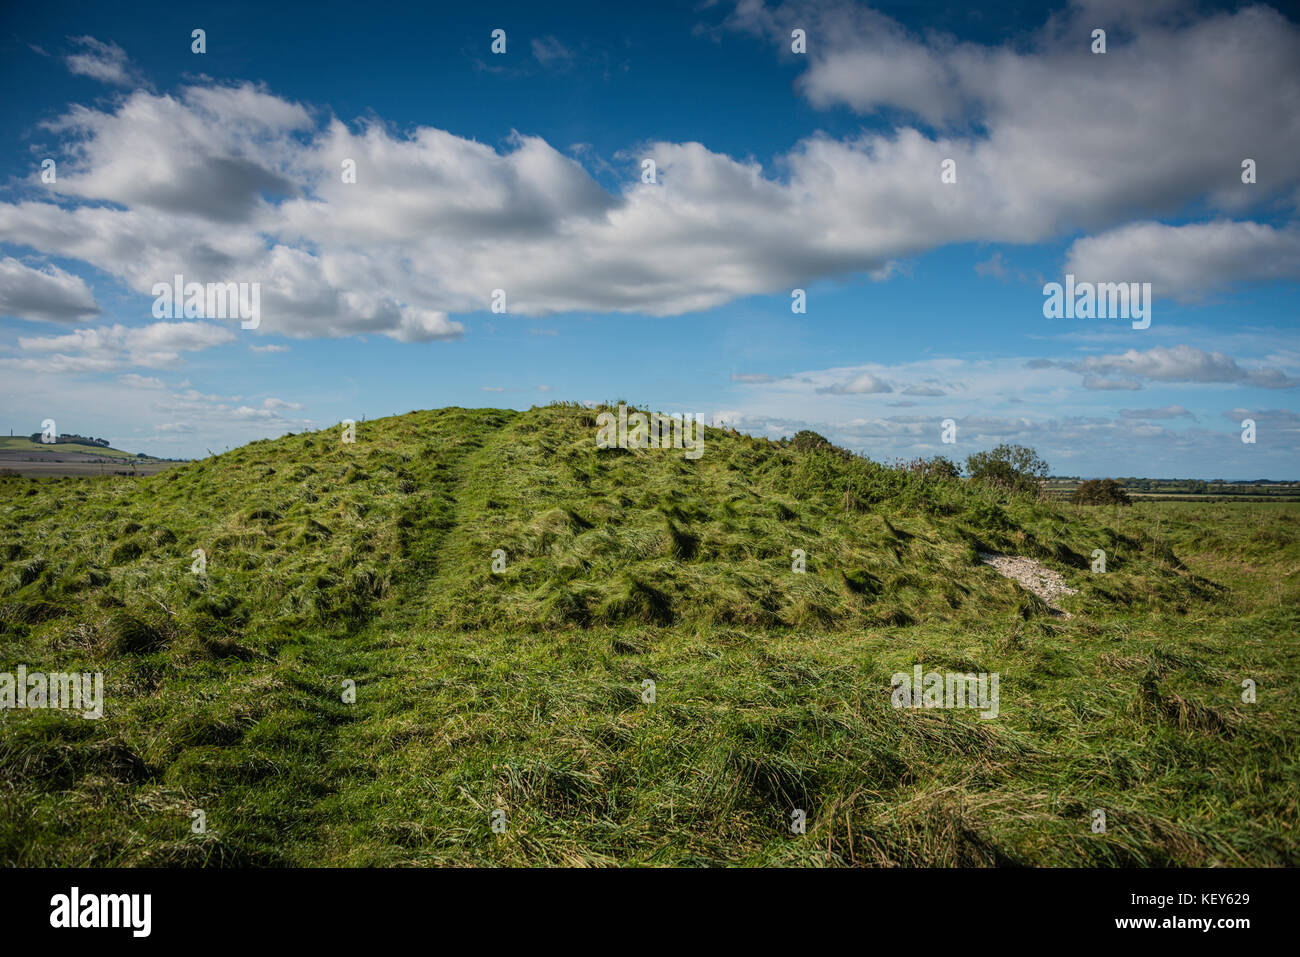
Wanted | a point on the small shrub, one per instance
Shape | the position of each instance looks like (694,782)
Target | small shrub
(806,440)
(1100,492)
(938,467)
(1012,468)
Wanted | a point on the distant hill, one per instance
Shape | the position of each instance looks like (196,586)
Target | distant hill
(22,443)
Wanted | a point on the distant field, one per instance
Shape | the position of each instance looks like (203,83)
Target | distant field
(19,454)
(50,468)
(1191,491)
(1223,499)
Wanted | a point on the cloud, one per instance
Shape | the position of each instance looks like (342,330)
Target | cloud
(1181,363)
(993,267)
(277,404)
(425,325)
(141,382)
(1185,262)
(751,377)
(176,420)
(215,152)
(48,294)
(234,183)
(1278,420)
(194,412)
(1050,134)
(996,267)
(1168,412)
(551,52)
(250,413)
(862,384)
(1058,129)
(1104,384)
(270,348)
(587,153)
(107,348)
(105,62)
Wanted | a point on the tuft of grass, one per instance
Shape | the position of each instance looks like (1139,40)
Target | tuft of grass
(126,633)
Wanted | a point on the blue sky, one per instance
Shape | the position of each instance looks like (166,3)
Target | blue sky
(774,171)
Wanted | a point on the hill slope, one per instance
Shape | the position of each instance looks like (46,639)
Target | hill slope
(523,689)
(22,443)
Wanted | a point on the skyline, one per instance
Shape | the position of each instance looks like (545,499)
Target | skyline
(774,171)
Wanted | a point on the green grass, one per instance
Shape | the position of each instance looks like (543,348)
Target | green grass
(523,690)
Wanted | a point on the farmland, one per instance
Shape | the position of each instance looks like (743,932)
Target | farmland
(21,456)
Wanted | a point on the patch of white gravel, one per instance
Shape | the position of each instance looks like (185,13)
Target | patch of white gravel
(1033,576)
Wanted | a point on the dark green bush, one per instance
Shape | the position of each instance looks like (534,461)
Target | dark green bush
(1013,468)
(1100,492)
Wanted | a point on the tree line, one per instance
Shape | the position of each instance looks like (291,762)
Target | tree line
(73,438)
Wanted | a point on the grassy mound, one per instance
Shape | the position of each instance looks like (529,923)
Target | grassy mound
(499,592)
